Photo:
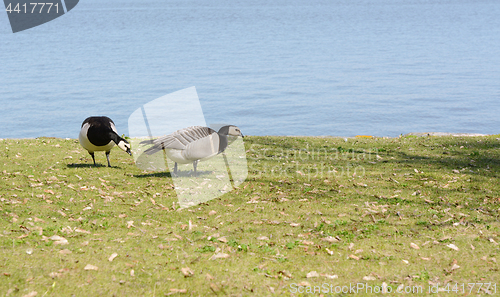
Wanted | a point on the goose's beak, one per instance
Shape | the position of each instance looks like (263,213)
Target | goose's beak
(129,152)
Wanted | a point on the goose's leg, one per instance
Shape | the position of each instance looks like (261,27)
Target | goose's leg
(175,168)
(92,154)
(195,163)
(107,157)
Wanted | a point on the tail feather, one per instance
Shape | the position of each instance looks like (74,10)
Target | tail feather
(153,149)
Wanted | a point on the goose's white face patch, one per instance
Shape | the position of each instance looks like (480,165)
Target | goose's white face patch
(125,146)
(234,131)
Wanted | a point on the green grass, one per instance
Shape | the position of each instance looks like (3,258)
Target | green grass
(357,210)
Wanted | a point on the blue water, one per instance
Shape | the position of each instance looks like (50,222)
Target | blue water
(288,67)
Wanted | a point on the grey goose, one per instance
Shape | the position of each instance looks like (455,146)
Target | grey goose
(193,144)
(99,134)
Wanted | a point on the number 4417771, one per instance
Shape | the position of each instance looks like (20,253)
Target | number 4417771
(32,8)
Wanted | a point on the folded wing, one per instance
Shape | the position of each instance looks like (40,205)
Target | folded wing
(180,139)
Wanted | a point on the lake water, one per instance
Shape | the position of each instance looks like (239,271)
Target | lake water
(287,67)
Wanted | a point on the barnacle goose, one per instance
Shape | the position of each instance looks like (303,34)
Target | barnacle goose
(193,144)
(99,134)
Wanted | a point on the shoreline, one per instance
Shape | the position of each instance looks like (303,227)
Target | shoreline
(416,134)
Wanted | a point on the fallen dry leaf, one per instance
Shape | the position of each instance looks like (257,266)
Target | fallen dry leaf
(330,276)
(384,287)
(67,230)
(312,274)
(262,238)
(78,230)
(330,239)
(177,291)
(219,256)
(369,278)
(112,257)
(90,267)
(214,288)
(414,246)
(452,246)
(354,257)
(58,240)
(31,294)
(187,272)
(285,274)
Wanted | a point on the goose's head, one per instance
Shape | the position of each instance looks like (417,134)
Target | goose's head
(125,146)
(230,130)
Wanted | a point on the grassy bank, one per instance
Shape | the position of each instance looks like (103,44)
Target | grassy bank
(411,212)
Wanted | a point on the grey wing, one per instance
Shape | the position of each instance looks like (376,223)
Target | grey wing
(179,139)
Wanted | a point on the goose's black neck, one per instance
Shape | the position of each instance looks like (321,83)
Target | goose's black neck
(223,132)
(222,142)
(115,137)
